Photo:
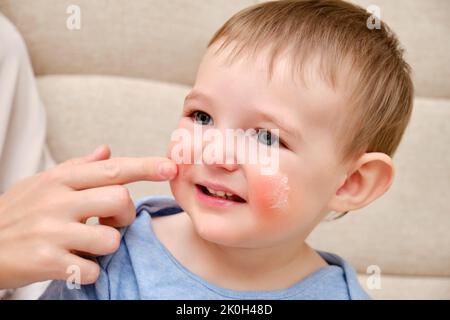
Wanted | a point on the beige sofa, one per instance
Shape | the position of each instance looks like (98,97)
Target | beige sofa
(122,77)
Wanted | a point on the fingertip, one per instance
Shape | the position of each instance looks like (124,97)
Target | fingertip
(79,270)
(90,274)
(168,170)
(114,241)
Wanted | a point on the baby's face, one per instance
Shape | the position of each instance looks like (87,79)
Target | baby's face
(265,209)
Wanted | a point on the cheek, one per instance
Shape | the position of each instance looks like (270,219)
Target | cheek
(181,147)
(269,195)
(183,190)
(176,183)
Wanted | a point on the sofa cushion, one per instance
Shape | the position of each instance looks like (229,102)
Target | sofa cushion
(164,40)
(161,40)
(407,287)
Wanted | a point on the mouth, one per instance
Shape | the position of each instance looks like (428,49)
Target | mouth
(219,193)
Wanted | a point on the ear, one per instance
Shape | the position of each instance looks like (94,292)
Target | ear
(370,177)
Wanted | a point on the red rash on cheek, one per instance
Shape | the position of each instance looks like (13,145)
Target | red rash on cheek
(269,195)
(260,198)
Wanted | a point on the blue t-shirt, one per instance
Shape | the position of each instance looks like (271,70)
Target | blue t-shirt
(142,268)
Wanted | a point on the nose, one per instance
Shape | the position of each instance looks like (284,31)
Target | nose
(227,167)
(224,155)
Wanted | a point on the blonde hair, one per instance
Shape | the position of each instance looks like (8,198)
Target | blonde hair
(382,91)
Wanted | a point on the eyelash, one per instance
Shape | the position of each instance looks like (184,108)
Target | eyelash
(190,113)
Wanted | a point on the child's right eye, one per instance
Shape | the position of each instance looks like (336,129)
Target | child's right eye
(202,118)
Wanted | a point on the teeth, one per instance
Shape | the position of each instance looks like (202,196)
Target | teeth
(221,194)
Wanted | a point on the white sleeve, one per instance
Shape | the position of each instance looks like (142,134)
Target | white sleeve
(23,150)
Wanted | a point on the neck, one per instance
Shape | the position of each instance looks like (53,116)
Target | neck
(265,268)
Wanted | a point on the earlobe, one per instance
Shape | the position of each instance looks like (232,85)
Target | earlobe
(371,177)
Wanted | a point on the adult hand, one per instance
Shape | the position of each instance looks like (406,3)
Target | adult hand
(42,218)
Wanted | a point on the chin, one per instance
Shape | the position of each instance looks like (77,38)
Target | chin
(211,226)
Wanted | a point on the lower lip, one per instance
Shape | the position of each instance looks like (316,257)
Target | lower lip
(214,201)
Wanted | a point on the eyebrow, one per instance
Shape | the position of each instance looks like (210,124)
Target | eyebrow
(282,125)
(195,95)
(279,123)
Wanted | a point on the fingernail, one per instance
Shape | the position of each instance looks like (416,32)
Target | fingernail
(167,169)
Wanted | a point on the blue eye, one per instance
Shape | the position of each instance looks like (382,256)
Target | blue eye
(202,118)
(266,137)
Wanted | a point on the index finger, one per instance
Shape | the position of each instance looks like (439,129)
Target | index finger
(119,171)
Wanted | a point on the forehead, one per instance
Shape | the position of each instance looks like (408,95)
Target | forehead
(247,83)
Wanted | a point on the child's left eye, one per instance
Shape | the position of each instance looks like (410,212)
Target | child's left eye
(266,137)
